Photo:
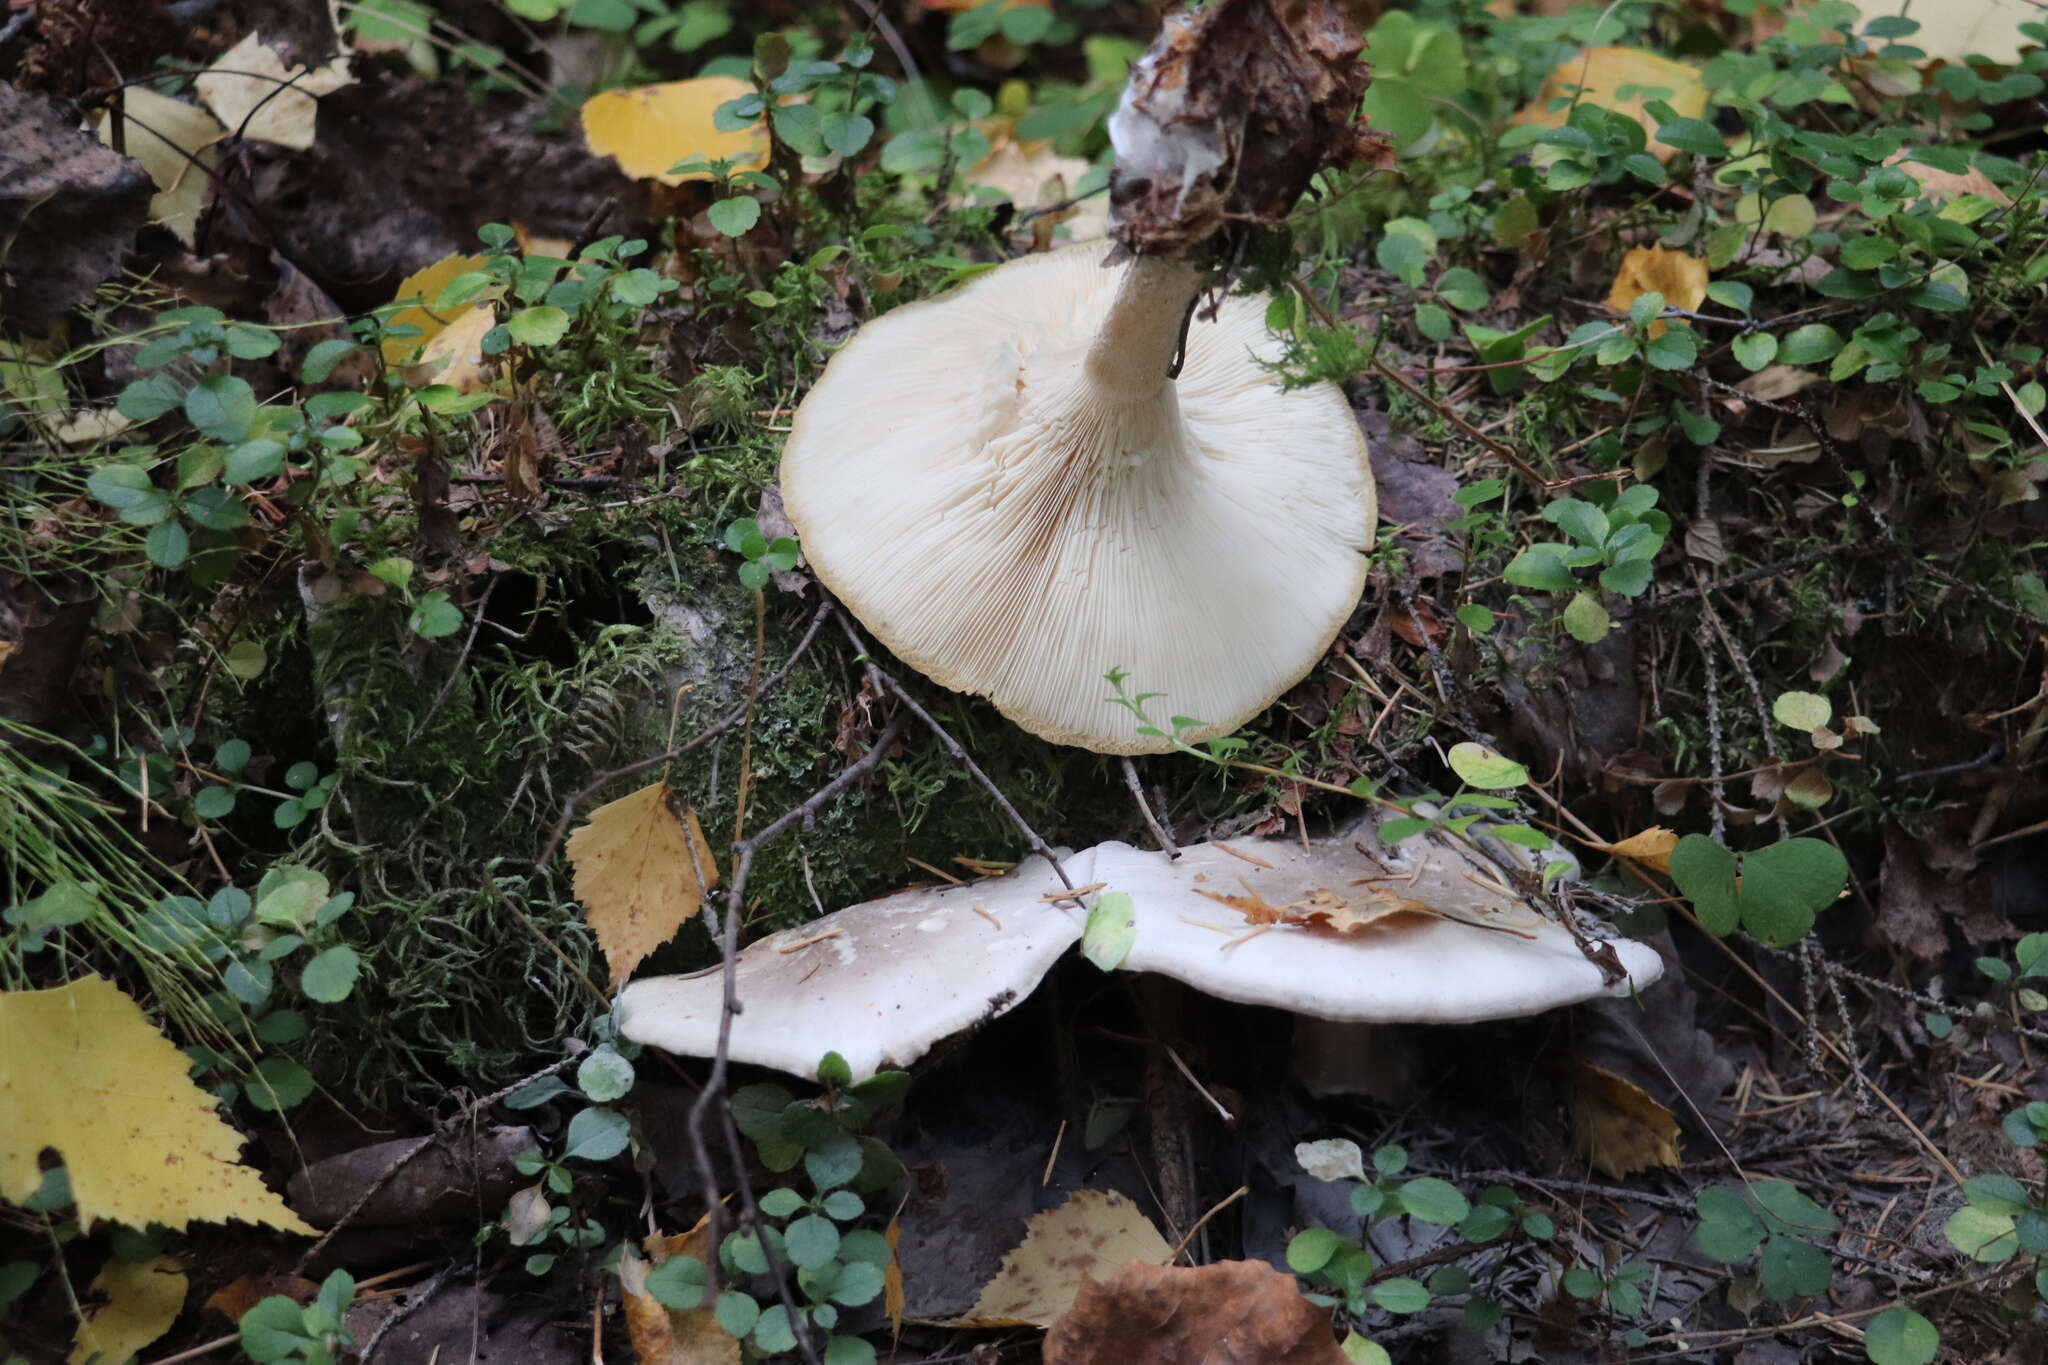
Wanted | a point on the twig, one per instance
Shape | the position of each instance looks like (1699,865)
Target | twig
(1165,840)
(897,690)
(1225,1202)
(709,733)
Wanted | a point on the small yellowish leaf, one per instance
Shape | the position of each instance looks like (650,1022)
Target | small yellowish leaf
(642,868)
(454,354)
(143,1299)
(1091,1234)
(1680,278)
(84,1072)
(1617,1127)
(1652,848)
(174,142)
(650,128)
(426,285)
(1598,75)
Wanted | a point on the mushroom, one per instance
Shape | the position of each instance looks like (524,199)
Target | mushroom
(1063,468)
(879,983)
(1342,932)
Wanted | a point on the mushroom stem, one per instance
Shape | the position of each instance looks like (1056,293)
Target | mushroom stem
(1132,355)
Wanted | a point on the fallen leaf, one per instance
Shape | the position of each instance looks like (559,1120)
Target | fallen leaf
(892,1279)
(1617,1127)
(1680,278)
(1939,185)
(1325,910)
(642,868)
(238,1296)
(650,128)
(143,1299)
(1229,1313)
(256,96)
(672,1336)
(1091,1234)
(1599,75)
(1975,28)
(1652,848)
(1032,175)
(426,285)
(454,355)
(174,142)
(1782,381)
(84,1072)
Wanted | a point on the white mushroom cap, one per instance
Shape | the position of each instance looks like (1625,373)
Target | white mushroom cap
(1006,488)
(1403,969)
(878,983)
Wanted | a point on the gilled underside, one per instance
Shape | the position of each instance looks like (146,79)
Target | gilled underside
(1016,521)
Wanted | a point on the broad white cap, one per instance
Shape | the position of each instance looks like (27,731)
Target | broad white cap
(1493,958)
(878,983)
(1006,488)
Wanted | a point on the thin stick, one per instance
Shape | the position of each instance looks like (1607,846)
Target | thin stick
(896,689)
(1159,834)
(1240,1192)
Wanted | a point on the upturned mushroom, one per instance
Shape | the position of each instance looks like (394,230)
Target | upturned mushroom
(1341,931)
(1066,467)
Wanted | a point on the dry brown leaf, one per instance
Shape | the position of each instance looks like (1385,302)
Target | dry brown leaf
(1773,382)
(238,1296)
(256,96)
(84,1072)
(1939,184)
(1322,909)
(1652,848)
(426,285)
(642,868)
(1598,75)
(893,1301)
(143,1299)
(1091,1234)
(652,127)
(669,1336)
(1680,278)
(1229,1313)
(1617,1127)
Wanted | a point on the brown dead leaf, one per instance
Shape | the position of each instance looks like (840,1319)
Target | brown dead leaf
(642,868)
(1321,909)
(1680,278)
(1938,184)
(1652,848)
(1773,382)
(668,1336)
(1091,1234)
(1617,1127)
(1229,1313)
(1599,75)
(238,1296)
(893,1301)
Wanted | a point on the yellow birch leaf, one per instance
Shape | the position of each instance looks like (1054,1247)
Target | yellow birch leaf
(143,1299)
(1680,278)
(1091,1234)
(1617,1127)
(425,285)
(253,93)
(454,355)
(84,1072)
(642,868)
(652,127)
(168,137)
(1652,848)
(1598,75)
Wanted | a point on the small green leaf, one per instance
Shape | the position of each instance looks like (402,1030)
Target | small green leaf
(1806,711)
(221,407)
(540,326)
(330,975)
(1755,350)
(1900,1336)
(604,1076)
(1481,767)
(1585,620)
(1112,928)
(167,545)
(1311,1249)
(734,216)
(596,1135)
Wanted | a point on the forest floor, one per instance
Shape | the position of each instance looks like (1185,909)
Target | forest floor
(389,433)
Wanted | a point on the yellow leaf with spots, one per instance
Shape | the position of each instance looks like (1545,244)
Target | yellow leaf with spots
(1680,278)
(423,287)
(1619,1128)
(82,1071)
(650,128)
(143,1299)
(642,868)
(1652,848)
(1622,79)
(1087,1237)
